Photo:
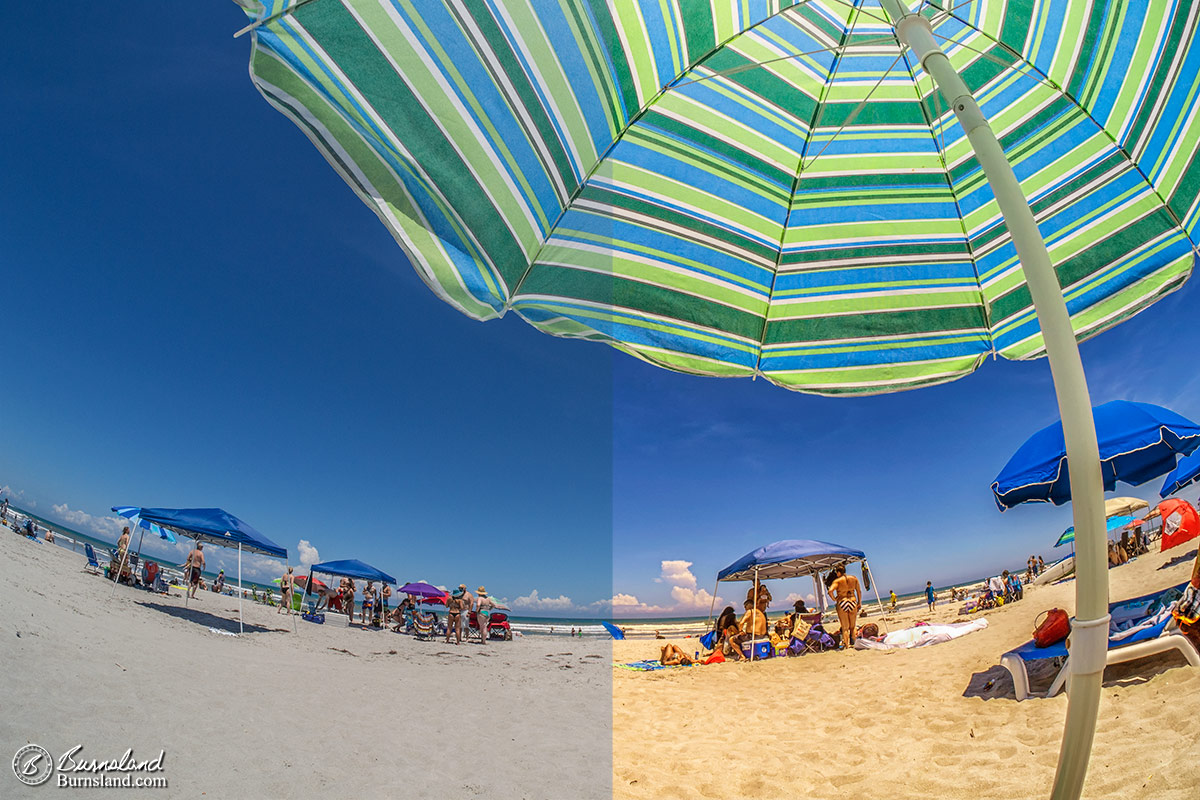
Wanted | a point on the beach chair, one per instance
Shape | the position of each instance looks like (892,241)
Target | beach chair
(1148,630)
(425,626)
(92,562)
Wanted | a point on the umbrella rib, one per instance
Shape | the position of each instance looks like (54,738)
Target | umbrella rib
(857,109)
(838,52)
(1063,91)
(756,64)
(280,13)
(937,99)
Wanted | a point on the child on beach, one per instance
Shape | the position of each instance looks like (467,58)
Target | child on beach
(930,595)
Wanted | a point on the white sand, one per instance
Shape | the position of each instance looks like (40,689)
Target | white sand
(906,724)
(393,717)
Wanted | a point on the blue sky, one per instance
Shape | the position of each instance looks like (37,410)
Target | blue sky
(197,311)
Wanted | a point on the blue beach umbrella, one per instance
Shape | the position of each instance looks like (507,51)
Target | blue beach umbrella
(131,513)
(1114,523)
(1138,442)
(1186,472)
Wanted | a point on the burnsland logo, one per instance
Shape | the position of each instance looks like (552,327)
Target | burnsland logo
(33,766)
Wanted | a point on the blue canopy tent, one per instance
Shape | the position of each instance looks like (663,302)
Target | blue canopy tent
(1187,471)
(792,558)
(350,568)
(213,525)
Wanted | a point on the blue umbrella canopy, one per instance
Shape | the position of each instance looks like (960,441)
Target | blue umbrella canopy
(1185,473)
(790,558)
(352,568)
(211,525)
(1114,523)
(1138,442)
(131,513)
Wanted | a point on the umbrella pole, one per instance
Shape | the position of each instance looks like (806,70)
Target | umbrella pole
(878,602)
(713,605)
(241,618)
(124,561)
(1090,631)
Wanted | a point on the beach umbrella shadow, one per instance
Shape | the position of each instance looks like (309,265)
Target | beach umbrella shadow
(206,619)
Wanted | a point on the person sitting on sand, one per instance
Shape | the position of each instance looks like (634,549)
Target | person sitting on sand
(754,621)
(672,656)
(192,568)
(848,596)
(1186,610)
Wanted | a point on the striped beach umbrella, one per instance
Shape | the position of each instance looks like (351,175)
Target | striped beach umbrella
(839,196)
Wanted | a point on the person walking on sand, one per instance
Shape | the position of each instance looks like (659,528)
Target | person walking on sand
(930,595)
(192,568)
(893,593)
(848,596)
(483,611)
(285,591)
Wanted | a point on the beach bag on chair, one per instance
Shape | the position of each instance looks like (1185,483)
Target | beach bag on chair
(1053,629)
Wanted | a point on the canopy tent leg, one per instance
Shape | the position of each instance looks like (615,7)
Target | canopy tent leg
(241,618)
(878,602)
(1090,632)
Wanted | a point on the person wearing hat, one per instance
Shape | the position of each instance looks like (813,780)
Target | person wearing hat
(483,602)
(455,607)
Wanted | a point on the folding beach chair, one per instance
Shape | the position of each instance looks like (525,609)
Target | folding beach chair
(92,562)
(1150,636)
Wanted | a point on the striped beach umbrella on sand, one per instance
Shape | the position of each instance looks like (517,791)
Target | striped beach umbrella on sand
(840,196)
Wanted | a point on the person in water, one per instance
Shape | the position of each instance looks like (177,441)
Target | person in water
(847,595)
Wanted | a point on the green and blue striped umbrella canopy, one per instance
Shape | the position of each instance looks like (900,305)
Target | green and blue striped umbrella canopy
(761,187)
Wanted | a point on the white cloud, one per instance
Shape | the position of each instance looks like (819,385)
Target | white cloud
(619,600)
(791,599)
(534,601)
(107,527)
(308,554)
(19,496)
(678,573)
(692,600)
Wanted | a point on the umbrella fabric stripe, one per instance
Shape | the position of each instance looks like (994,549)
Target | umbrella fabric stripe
(632,173)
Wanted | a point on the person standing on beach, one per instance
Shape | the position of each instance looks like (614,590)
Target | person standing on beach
(468,600)
(122,556)
(483,611)
(893,593)
(4,509)
(385,596)
(454,614)
(368,604)
(1041,565)
(930,595)
(192,568)
(285,591)
(848,595)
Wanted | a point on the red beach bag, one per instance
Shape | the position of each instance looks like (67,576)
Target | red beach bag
(1053,629)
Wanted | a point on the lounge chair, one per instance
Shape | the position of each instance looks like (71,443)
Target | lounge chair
(1148,630)
(92,562)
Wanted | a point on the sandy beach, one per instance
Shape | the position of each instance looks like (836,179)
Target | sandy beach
(938,721)
(325,710)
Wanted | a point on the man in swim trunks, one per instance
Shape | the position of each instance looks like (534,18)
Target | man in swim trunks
(368,603)
(192,568)
(848,596)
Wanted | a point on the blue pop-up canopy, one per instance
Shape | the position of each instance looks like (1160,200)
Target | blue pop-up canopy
(213,525)
(210,525)
(790,558)
(1187,471)
(352,568)
(1138,442)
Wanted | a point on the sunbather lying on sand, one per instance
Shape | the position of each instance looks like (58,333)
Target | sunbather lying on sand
(672,656)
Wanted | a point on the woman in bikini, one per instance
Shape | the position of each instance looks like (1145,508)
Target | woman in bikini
(285,592)
(672,656)
(848,596)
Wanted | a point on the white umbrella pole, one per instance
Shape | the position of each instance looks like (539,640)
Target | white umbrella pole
(124,561)
(1089,636)
(878,602)
(241,617)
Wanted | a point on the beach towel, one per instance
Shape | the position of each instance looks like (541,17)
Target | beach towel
(921,636)
(651,666)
